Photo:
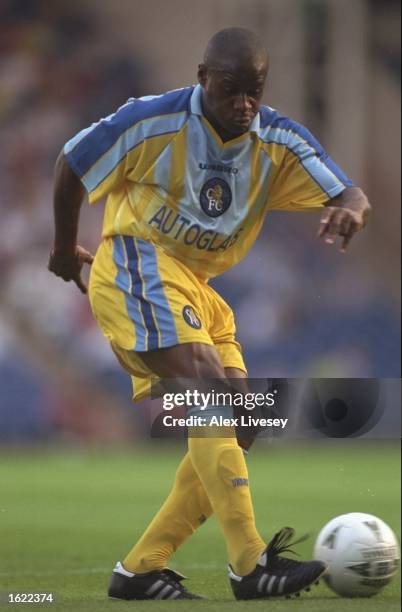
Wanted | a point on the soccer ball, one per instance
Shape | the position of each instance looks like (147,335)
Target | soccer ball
(362,553)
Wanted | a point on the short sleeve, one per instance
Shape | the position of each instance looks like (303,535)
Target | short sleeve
(103,154)
(307,177)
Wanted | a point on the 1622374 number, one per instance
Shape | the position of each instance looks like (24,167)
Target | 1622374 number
(30,598)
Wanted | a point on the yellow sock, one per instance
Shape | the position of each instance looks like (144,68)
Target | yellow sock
(221,467)
(185,509)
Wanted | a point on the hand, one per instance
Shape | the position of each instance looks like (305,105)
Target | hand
(68,265)
(342,222)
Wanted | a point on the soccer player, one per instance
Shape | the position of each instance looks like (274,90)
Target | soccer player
(189,177)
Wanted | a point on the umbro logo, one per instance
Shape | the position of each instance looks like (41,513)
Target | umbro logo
(218,168)
(240,482)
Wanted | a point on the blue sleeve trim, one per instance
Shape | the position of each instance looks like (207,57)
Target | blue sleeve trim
(296,128)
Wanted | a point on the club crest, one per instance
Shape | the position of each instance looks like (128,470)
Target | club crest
(215,197)
(191,318)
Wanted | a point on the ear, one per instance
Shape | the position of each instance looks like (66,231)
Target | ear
(202,74)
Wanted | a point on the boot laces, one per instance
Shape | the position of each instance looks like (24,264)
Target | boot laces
(280,543)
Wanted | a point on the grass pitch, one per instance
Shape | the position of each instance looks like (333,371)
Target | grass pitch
(66,517)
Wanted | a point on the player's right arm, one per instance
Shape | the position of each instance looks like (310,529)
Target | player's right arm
(100,159)
(86,165)
(67,257)
(94,162)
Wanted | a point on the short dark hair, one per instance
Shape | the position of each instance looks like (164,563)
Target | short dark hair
(235,43)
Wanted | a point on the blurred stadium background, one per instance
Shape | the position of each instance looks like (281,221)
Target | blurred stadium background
(302,309)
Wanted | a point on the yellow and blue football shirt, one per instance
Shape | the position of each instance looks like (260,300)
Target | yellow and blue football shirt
(171,181)
(182,207)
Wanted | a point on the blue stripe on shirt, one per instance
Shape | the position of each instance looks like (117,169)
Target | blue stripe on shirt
(99,139)
(132,138)
(273,121)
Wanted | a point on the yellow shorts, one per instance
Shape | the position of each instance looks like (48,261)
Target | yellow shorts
(144,299)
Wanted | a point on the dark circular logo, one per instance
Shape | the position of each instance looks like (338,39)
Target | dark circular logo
(215,197)
(342,407)
(191,318)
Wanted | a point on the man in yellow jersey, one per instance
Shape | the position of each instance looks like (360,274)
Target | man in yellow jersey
(189,178)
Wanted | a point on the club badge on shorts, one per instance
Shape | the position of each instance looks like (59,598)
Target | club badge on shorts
(191,318)
(215,197)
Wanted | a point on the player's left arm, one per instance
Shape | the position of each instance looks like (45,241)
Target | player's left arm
(345,214)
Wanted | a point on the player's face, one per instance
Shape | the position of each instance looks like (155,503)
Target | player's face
(232,96)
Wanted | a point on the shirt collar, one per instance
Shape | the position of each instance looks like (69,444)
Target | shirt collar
(196,109)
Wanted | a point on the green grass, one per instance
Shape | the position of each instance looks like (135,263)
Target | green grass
(66,517)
